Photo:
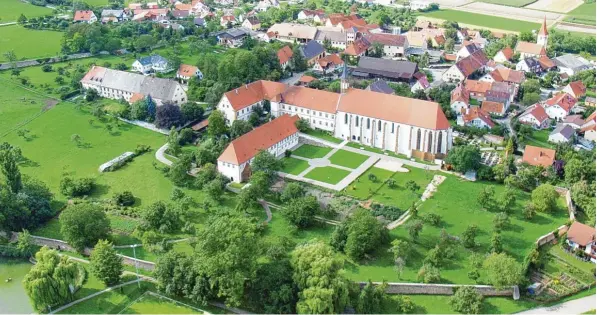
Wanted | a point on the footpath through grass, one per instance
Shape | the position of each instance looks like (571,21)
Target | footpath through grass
(294,166)
(482,20)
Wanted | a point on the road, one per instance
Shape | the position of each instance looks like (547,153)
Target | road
(577,306)
(293,79)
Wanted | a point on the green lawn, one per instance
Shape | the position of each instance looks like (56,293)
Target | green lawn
(348,159)
(399,196)
(27,43)
(583,14)
(362,188)
(311,151)
(512,3)
(17,106)
(327,174)
(482,20)
(152,304)
(12,9)
(96,3)
(557,251)
(111,302)
(294,166)
(323,135)
(440,304)
(540,138)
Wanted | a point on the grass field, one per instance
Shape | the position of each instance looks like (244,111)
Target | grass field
(440,304)
(327,174)
(154,304)
(362,188)
(583,14)
(512,3)
(294,166)
(311,151)
(17,107)
(482,20)
(323,135)
(12,9)
(96,3)
(29,44)
(348,159)
(540,138)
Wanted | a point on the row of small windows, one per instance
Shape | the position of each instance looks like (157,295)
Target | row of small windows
(307,111)
(346,118)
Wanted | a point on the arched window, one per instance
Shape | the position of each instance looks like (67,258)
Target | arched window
(368,123)
(379,126)
(419,140)
(356,120)
(439,142)
(392,127)
(429,142)
(346,119)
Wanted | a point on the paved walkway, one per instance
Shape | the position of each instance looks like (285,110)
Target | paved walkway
(160,155)
(577,306)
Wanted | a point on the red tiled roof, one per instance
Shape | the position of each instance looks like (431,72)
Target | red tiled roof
(358,47)
(538,156)
(578,88)
(333,59)
(136,97)
(536,111)
(564,100)
(254,92)
(460,94)
(508,75)
(83,15)
(245,147)
(508,53)
(472,63)
(493,107)
(475,112)
(530,48)
(284,54)
(386,39)
(475,86)
(187,70)
(307,79)
(581,234)
(543,30)
(546,63)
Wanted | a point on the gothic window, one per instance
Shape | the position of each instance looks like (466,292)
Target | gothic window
(392,127)
(419,140)
(368,123)
(429,140)
(379,126)
(346,119)
(439,142)
(356,120)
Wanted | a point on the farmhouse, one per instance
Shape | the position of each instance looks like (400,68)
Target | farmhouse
(85,16)
(562,134)
(466,66)
(572,64)
(186,72)
(559,106)
(336,39)
(588,128)
(504,55)
(576,89)
(358,48)
(393,45)
(317,16)
(113,16)
(538,156)
(312,52)
(116,84)
(459,98)
(289,32)
(475,117)
(466,50)
(529,65)
(275,137)
(252,23)
(582,237)
(328,64)
(232,38)
(284,56)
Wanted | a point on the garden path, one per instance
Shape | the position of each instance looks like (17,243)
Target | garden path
(577,306)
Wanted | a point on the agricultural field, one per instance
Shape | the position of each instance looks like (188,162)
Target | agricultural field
(584,14)
(511,3)
(483,21)
(12,9)
(562,6)
(27,43)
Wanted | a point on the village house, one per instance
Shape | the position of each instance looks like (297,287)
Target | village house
(387,69)
(291,32)
(496,108)
(274,137)
(312,51)
(590,101)
(252,23)
(393,45)
(231,38)
(574,121)
(466,50)
(529,65)
(588,129)
(474,116)
(129,86)
(562,134)
(335,39)
(535,116)
(150,64)
(284,56)
(582,237)
(316,16)
(113,16)
(421,83)
(537,156)
(572,64)
(263,5)
(358,48)
(304,80)
(576,89)
(459,99)
(465,67)
(227,19)
(85,16)
(186,72)
(559,106)
(151,14)
(328,64)
(504,55)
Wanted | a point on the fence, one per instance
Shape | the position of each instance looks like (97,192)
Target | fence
(444,289)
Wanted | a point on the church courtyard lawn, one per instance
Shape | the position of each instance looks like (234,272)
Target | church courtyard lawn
(322,135)
(362,188)
(12,9)
(327,174)
(294,166)
(400,196)
(348,159)
(311,151)
(482,20)
(28,43)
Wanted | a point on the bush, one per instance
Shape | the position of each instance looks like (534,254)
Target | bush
(429,274)
(185,136)
(124,198)
(287,153)
(141,148)
(432,218)
(372,177)
(76,187)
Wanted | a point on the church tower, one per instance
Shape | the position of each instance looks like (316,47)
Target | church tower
(543,34)
(344,80)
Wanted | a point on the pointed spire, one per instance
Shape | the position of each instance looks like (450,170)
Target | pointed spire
(543,30)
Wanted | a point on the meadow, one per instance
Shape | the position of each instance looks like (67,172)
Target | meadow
(27,43)
(12,9)
(512,3)
(583,14)
(482,20)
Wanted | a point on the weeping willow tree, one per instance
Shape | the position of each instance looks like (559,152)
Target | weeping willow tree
(53,280)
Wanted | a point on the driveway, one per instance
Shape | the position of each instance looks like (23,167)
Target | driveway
(577,306)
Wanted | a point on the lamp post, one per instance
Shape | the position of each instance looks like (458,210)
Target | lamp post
(136,264)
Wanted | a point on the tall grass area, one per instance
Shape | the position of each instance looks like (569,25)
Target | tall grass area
(27,43)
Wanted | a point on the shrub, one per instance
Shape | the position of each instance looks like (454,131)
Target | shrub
(432,218)
(429,274)
(124,198)
(76,187)
(372,177)
(141,148)
(287,153)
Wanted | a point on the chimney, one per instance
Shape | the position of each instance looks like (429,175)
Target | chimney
(236,90)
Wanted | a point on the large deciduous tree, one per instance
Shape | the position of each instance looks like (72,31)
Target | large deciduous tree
(106,265)
(360,234)
(84,224)
(466,300)
(301,211)
(217,125)
(9,159)
(544,198)
(502,270)
(168,115)
(464,158)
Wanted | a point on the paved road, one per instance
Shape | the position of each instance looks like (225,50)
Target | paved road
(159,154)
(577,306)
(293,79)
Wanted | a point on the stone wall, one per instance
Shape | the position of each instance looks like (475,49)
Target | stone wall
(304,140)
(569,204)
(441,289)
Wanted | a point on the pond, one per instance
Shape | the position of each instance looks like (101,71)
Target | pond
(13,299)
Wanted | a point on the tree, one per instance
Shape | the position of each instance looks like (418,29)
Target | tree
(544,198)
(168,115)
(429,274)
(466,300)
(468,236)
(371,299)
(496,242)
(414,229)
(464,158)
(301,212)
(76,187)
(161,217)
(227,252)
(360,234)
(22,19)
(530,98)
(9,159)
(174,147)
(273,290)
(49,281)
(83,225)
(254,119)
(449,44)
(124,198)
(412,186)
(217,125)
(176,275)
(574,171)
(105,264)
(401,249)
(215,189)
(302,125)
(191,111)
(267,163)
(292,191)
(317,274)
(485,197)
(507,200)
(239,127)
(529,211)
(502,270)
(297,61)
(25,243)
(501,221)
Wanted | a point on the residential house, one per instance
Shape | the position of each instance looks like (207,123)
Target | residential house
(417,39)
(129,86)
(275,137)
(421,83)
(200,9)
(393,45)
(335,39)
(419,4)
(284,56)
(477,89)
(513,79)
(252,23)
(588,128)
(151,64)
(328,64)
(317,16)
(199,22)
(559,106)
(358,48)
(155,15)
(335,19)
(529,65)
(537,156)
(186,72)
(465,67)
(526,50)
(180,14)
(459,99)
(232,38)
(535,116)
(562,134)
(574,121)
(576,89)
(113,16)
(474,116)
(572,64)
(496,108)
(387,69)
(227,19)
(312,52)
(582,237)
(504,55)
(467,50)
(380,86)
(304,80)
(263,5)
(291,32)
(85,16)
(546,64)
(590,101)
(239,103)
